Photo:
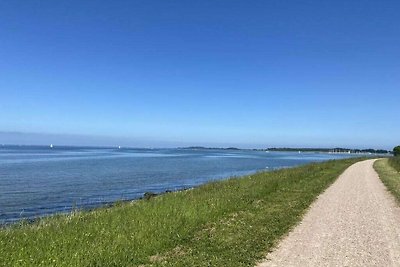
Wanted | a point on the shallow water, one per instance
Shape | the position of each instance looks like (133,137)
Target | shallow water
(37,181)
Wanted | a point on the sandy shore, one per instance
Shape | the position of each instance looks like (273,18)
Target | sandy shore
(356,222)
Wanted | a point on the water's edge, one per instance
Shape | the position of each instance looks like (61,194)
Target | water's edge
(42,181)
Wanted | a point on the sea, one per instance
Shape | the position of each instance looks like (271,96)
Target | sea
(37,181)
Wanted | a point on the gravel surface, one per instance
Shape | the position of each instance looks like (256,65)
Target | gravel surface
(355,222)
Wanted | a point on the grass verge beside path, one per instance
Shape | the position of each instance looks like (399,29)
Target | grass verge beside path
(226,223)
(395,163)
(389,172)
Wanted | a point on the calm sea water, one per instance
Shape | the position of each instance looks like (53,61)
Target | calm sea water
(37,181)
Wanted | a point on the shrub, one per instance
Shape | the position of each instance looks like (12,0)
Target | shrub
(396,151)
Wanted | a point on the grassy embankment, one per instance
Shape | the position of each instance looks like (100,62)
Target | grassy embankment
(389,172)
(226,223)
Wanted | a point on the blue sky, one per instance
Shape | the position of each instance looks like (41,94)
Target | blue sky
(172,73)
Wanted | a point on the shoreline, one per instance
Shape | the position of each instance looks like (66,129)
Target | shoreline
(86,198)
(182,228)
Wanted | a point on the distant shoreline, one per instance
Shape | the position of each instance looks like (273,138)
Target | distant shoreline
(301,149)
(272,149)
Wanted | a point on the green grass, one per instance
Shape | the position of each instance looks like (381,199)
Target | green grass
(227,223)
(389,172)
(394,162)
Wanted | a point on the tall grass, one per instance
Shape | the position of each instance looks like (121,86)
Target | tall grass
(389,172)
(395,163)
(226,223)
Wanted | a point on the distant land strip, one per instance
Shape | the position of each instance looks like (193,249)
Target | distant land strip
(302,149)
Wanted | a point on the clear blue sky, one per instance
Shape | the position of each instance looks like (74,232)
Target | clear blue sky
(171,73)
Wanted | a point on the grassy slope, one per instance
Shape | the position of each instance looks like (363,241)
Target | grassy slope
(389,172)
(395,163)
(228,223)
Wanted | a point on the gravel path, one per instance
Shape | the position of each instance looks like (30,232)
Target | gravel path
(355,222)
